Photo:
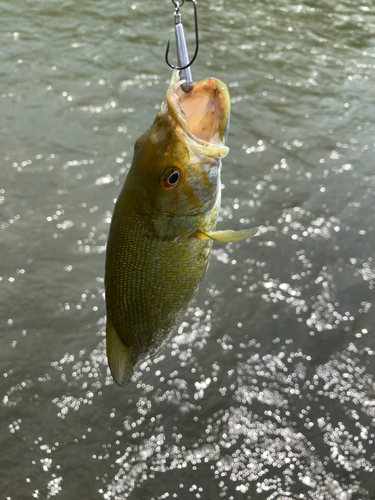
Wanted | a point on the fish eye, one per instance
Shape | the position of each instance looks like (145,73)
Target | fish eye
(171,178)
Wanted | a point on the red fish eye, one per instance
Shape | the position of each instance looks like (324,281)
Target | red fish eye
(171,178)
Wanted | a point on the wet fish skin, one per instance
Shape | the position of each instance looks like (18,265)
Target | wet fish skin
(159,242)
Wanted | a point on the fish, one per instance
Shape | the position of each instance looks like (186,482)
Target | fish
(164,223)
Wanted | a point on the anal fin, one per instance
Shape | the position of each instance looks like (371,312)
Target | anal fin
(119,359)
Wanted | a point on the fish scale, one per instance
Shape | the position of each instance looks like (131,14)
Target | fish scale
(149,268)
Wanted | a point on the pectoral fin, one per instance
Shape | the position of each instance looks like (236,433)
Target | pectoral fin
(119,358)
(225,236)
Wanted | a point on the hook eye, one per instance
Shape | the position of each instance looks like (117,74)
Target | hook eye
(178,5)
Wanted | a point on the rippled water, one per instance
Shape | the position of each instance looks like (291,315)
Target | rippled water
(267,389)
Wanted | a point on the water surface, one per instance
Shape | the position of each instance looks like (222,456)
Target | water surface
(266,391)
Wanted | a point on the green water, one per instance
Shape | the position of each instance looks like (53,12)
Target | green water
(267,389)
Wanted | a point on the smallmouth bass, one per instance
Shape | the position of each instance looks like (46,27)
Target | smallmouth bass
(164,221)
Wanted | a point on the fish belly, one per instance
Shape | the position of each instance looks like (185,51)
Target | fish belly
(149,285)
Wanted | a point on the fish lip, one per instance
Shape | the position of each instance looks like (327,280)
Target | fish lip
(172,109)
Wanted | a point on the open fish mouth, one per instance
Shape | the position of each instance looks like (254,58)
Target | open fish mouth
(201,116)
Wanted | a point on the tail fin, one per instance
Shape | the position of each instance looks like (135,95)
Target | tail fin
(119,358)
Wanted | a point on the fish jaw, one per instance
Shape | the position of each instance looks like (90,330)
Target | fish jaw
(191,141)
(202,114)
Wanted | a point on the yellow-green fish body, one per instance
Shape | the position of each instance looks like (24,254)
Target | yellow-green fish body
(164,222)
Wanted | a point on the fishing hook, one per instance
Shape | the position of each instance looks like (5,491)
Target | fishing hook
(182,53)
